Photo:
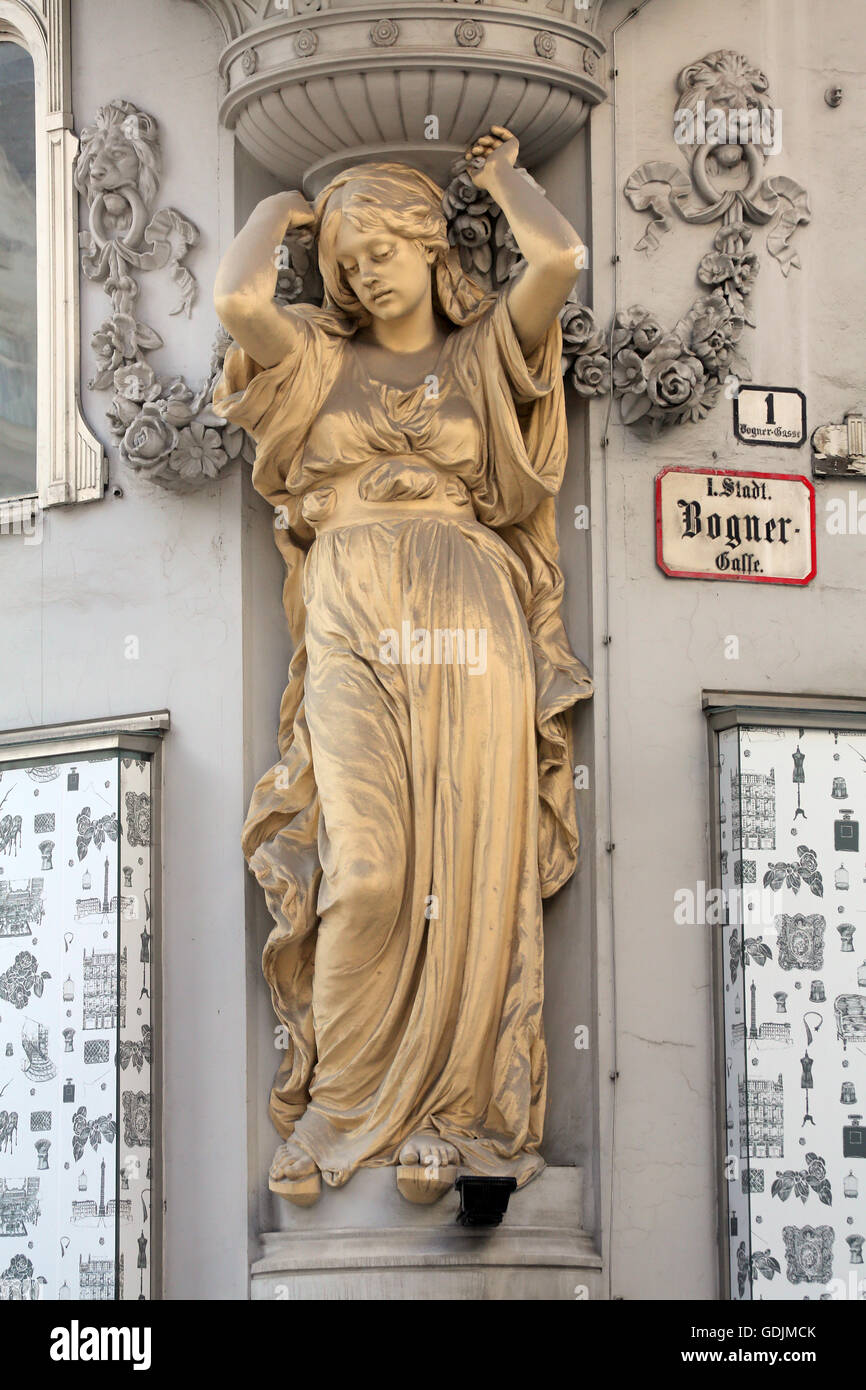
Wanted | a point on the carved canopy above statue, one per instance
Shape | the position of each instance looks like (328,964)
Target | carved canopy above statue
(314,86)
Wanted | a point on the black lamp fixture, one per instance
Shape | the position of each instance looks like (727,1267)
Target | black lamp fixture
(483,1201)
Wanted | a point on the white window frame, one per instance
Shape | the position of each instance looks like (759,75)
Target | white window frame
(70,461)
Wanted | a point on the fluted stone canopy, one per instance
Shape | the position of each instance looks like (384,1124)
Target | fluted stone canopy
(313,86)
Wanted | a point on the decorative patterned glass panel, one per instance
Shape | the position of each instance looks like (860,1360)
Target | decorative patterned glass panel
(793,872)
(75,1027)
(17,272)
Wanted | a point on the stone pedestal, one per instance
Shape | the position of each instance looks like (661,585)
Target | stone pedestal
(364,1241)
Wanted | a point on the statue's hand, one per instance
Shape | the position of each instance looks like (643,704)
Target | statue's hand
(292,205)
(490,154)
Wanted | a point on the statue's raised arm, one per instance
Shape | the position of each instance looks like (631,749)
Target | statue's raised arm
(247,277)
(551,247)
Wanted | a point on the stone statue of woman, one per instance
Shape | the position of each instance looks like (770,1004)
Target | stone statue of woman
(411,437)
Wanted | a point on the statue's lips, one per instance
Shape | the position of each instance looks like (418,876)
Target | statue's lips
(381,294)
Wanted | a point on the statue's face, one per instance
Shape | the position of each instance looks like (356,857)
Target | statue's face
(389,274)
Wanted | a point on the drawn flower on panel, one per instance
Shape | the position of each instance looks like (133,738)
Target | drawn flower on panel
(791,875)
(22,979)
(812,1178)
(90,1132)
(757,950)
(136,1052)
(761,1262)
(94,832)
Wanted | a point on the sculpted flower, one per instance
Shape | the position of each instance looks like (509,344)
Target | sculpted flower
(628,371)
(590,375)
(107,344)
(176,407)
(715,267)
(471,230)
(636,328)
(579,330)
(149,440)
(714,332)
(116,340)
(290,285)
(745,272)
(199,452)
(675,379)
(460,192)
(134,381)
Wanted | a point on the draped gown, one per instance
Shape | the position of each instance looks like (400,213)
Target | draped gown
(421,808)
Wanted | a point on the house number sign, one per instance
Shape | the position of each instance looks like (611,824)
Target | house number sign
(717,524)
(770,415)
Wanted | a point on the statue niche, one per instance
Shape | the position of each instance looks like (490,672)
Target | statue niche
(411,437)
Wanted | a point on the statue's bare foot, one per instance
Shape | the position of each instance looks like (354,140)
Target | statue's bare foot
(294,1175)
(427,1168)
(429,1150)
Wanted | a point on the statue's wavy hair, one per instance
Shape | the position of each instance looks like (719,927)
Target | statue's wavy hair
(409,204)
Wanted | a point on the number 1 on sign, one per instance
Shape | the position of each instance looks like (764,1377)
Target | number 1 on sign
(771,414)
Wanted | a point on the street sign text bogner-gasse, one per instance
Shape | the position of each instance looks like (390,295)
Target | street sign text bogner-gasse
(714,524)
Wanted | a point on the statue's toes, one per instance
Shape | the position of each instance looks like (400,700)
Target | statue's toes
(281,1163)
(290,1162)
(410,1152)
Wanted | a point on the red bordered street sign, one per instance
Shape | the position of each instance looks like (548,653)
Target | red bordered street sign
(718,523)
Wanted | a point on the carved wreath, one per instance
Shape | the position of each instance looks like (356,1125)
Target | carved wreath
(163,428)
